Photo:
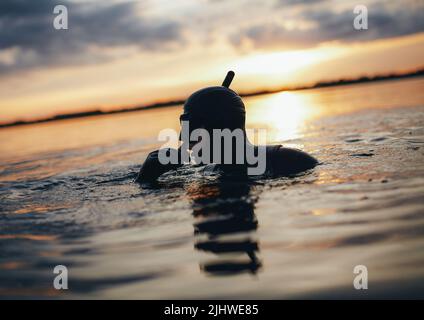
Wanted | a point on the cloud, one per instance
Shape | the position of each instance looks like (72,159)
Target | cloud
(325,23)
(100,31)
(28,39)
(297,2)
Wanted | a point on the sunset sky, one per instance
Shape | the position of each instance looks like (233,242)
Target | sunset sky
(124,53)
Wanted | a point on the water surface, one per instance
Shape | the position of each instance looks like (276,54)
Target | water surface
(67,197)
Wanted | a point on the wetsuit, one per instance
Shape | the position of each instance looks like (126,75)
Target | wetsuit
(280,161)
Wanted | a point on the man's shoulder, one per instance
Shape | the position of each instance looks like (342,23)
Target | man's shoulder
(289,160)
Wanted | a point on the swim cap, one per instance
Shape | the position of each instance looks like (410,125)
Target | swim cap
(215,108)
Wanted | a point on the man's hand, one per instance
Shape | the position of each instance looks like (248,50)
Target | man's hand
(152,168)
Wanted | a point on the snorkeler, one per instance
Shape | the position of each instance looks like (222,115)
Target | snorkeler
(221,108)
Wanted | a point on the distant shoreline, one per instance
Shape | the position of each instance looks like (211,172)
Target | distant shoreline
(321,84)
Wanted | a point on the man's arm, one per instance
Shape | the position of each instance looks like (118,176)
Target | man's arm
(153,169)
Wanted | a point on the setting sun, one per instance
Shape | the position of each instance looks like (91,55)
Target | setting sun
(281,64)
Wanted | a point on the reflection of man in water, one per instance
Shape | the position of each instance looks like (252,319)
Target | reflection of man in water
(225,221)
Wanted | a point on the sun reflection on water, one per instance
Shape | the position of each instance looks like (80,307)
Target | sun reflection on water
(284,114)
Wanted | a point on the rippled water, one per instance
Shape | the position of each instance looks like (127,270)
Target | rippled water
(67,197)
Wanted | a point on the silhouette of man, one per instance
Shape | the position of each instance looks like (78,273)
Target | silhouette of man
(219,107)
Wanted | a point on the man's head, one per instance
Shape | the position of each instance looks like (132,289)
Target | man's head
(214,108)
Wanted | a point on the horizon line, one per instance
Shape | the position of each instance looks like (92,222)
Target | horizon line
(320,84)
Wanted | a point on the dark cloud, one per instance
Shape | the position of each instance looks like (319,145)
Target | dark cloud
(28,39)
(26,29)
(383,22)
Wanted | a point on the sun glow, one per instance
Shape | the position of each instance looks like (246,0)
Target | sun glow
(283,115)
(283,63)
